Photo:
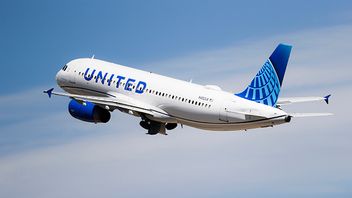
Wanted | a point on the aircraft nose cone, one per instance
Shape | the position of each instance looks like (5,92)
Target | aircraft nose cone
(57,77)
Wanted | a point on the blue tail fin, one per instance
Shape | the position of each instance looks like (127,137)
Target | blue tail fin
(265,86)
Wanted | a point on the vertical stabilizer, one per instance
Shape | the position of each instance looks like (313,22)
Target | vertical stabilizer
(265,86)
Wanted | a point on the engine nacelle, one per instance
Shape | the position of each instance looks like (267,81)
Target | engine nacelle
(88,112)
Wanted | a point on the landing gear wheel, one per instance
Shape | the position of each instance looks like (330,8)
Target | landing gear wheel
(144,124)
(154,128)
(170,126)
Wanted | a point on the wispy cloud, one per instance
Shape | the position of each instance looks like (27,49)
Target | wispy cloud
(322,52)
(308,157)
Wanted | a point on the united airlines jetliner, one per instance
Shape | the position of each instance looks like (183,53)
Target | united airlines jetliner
(97,88)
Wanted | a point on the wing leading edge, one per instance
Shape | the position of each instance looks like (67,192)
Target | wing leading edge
(119,101)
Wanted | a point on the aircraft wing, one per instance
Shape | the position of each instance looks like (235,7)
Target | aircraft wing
(287,101)
(119,101)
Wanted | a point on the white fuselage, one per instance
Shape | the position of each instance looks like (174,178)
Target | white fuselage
(205,107)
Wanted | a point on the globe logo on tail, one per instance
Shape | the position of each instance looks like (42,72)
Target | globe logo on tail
(265,87)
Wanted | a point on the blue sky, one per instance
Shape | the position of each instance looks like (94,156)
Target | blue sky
(38,37)
(46,153)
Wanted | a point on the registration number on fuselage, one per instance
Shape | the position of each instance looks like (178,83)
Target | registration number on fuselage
(205,99)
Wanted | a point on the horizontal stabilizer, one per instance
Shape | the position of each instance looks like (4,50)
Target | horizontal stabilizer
(301,115)
(287,101)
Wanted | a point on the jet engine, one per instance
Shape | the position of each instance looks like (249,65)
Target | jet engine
(88,112)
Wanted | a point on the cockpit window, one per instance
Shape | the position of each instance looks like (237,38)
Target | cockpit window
(64,67)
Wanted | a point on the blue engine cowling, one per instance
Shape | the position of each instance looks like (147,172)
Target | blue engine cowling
(88,112)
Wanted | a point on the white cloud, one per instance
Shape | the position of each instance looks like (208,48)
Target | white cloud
(308,157)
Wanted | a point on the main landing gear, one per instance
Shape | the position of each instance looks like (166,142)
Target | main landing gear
(154,127)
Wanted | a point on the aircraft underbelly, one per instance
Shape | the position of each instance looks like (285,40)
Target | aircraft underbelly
(234,126)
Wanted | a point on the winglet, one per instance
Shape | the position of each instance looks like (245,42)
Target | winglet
(49,91)
(326,98)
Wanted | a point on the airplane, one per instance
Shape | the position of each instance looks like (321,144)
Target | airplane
(98,87)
